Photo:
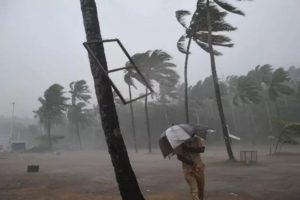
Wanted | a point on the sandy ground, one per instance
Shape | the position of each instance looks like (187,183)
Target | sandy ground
(89,176)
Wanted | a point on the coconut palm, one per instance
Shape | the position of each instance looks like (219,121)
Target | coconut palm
(193,32)
(214,22)
(247,92)
(167,94)
(54,103)
(289,131)
(128,186)
(274,84)
(80,95)
(156,67)
(129,80)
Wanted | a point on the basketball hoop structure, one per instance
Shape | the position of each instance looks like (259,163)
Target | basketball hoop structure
(106,72)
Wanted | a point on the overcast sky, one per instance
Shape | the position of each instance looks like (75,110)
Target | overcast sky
(41,41)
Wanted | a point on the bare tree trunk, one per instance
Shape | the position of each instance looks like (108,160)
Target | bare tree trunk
(217,88)
(186,95)
(125,176)
(148,123)
(132,120)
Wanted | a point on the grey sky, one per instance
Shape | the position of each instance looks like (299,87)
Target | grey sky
(41,41)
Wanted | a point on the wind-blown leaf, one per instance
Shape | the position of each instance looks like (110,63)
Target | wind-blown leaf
(128,79)
(218,40)
(205,47)
(181,45)
(284,89)
(280,75)
(180,15)
(228,7)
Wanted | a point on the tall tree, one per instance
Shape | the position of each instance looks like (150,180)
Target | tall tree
(79,91)
(194,32)
(129,80)
(167,93)
(247,92)
(214,23)
(125,176)
(54,103)
(274,84)
(155,67)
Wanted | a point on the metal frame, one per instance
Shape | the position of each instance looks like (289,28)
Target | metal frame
(106,72)
(243,156)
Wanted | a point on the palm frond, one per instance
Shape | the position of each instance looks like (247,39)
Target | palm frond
(280,75)
(218,40)
(285,89)
(205,47)
(228,7)
(181,44)
(180,16)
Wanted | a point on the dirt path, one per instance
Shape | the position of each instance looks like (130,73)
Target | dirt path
(89,176)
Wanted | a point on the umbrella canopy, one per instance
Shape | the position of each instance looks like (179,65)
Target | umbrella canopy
(174,136)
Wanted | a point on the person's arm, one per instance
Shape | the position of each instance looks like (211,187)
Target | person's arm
(184,160)
(198,146)
(193,149)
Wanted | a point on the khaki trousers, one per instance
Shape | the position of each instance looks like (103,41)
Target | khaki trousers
(195,179)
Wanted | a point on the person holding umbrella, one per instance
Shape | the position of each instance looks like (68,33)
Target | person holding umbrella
(193,167)
(187,142)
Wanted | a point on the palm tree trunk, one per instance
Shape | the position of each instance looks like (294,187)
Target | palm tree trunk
(268,112)
(253,124)
(186,96)
(277,109)
(278,142)
(132,120)
(235,126)
(217,88)
(148,122)
(166,114)
(128,185)
(78,135)
(49,135)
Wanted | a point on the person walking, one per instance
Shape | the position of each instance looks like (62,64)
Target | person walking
(193,167)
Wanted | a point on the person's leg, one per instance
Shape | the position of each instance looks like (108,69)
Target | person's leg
(192,182)
(200,182)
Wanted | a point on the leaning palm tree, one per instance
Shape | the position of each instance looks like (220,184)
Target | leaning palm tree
(274,84)
(167,93)
(129,81)
(80,95)
(247,92)
(128,186)
(215,22)
(155,67)
(193,33)
(54,103)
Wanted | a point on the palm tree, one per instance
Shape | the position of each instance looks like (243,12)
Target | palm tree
(167,93)
(274,84)
(247,91)
(79,91)
(214,23)
(53,106)
(193,32)
(129,80)
(128,186)
(155,67)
